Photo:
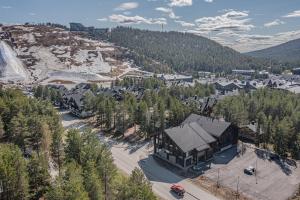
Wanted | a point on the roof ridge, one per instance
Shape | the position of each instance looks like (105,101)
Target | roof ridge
(189,124)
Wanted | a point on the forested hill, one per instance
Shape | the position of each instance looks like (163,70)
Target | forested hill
(287,52)
(181,52)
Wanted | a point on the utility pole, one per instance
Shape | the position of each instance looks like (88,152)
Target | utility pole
(237,187)
(256,171)
(218,183)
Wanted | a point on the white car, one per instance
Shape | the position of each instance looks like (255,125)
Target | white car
(249,170)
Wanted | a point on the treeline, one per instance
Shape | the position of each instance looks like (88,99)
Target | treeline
(181,52)
(159,107)
(36,163)
(276,112)
(177,90)
(54,25)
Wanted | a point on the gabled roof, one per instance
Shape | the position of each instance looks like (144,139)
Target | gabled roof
(212,126)
(187,139)
(202,133)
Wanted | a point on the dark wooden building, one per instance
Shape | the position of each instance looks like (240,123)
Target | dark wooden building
(195,140)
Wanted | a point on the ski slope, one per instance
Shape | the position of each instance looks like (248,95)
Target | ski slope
(11,68)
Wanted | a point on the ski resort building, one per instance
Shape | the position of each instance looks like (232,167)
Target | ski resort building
(194,141)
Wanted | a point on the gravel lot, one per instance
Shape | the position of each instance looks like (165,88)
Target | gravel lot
(274,181)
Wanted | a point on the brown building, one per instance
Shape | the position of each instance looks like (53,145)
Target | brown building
(194,141)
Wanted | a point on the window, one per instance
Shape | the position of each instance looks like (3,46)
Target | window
(188,162)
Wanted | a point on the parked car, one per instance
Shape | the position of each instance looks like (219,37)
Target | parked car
(201,166)
(249,170)
(178,189)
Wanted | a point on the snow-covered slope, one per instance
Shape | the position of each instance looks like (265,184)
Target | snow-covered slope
(50,54)
(11,68)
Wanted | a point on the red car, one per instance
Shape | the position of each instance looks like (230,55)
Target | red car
(178,189)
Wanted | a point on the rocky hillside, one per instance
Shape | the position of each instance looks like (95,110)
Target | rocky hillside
(50,54)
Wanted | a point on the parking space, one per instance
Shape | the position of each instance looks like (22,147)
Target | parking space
(274,179)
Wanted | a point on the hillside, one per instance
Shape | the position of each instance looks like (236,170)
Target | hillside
(40,53)
(182,52)
(10,66)
(286,52)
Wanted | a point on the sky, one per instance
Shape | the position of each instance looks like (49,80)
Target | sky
(244,25)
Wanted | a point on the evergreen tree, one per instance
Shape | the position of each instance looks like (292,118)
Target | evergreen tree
(73,183)
(56,191)
(140,187)
(92,182)
(73,146)
(18,131)
(57,147)
(39,178)
(13,174)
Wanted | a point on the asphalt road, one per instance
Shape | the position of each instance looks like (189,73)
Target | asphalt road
(127,157)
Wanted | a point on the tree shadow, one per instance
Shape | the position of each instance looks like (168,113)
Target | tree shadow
(135,147)
(284,164)
(158,172)
(175,195)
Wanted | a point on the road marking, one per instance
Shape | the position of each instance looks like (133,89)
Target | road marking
(192,195)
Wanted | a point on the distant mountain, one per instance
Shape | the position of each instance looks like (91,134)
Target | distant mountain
(287,52)
(181,52)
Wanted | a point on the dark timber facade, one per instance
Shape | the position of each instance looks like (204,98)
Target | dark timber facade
(194,141)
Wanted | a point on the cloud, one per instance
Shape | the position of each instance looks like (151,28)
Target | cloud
(251,42)
(231,20)
(295,13)
(185,24)
(127,6)
(122,19)
(127,13)
(6,7)
(102,19)
(32,14)
(209,1)
(276,22)
(180,3)
(168,11)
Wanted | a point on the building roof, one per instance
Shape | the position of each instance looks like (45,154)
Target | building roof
(212,126)
(189,136)
(253,127)
(174,77)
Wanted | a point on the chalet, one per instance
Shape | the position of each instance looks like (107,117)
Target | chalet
(274,82)
(204,74)
(250,86)
(243,72)
(76,104)
(250,133)
(171,78)
(194,141)
(208,105)
(225,87)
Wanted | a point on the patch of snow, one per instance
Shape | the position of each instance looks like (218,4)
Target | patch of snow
(90,63)
(75,77)
(11,68)
(30,38)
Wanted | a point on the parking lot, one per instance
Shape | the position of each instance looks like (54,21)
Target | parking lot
(274,180)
